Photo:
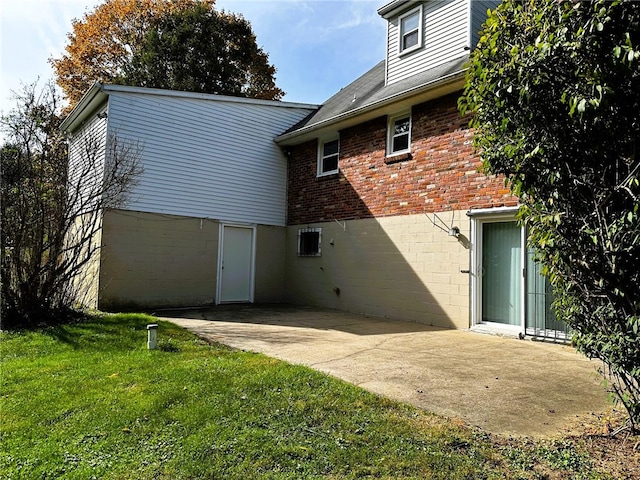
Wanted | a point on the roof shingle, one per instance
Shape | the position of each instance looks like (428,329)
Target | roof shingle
(370,89)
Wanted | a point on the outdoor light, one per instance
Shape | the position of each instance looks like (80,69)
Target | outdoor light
(152,336)
(450,230)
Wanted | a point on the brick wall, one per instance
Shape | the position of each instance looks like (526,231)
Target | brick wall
(441,173)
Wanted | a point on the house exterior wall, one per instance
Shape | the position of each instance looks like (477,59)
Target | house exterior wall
(401,267)
(387,256)
(445,37)
(441,175)
(270,264)
(87,150)
(479,15)
(159,260)
(86,282)
(208,158)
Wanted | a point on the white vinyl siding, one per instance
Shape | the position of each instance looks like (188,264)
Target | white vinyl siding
(87,149)
(445,35)
(478,16)
(207,158)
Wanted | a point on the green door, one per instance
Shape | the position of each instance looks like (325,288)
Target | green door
(502,273)
(540,319)
(512,284)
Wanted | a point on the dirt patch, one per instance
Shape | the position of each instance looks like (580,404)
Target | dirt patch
(617,454)
(594,440)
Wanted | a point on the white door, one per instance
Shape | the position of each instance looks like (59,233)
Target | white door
(235,267)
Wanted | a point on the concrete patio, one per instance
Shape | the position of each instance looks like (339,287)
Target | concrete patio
(503,385)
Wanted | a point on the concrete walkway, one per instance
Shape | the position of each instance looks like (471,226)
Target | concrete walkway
(503,385)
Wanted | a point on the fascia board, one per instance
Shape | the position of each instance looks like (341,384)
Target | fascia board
(90,101)
(393,8)
(206,96)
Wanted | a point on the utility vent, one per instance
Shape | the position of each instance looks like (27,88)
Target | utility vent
(309,242)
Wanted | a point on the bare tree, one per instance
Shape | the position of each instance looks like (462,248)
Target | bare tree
(51,209)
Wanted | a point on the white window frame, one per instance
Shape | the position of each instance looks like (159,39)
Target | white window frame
(302,231)
(391,135)
(402,35)
(322,157)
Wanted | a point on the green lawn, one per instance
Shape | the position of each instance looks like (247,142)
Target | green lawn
(88,400)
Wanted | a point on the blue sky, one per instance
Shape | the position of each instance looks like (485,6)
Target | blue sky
(317,46)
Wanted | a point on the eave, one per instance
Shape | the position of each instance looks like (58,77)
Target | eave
(90,102)
(399,101)
(396,6)
(96,97)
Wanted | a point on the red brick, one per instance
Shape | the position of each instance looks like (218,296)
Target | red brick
(442,173)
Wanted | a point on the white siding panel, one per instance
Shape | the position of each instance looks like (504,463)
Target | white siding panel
(203,158)
(87,149)
(446,35)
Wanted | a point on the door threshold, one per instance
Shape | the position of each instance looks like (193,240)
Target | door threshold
(508,331)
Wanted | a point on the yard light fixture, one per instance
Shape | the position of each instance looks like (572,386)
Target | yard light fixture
(152,336)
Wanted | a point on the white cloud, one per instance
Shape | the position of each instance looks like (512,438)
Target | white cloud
(360,14)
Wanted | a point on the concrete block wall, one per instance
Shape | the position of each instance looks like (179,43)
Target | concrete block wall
(440,174)
(157,260)
(86,282)
(400,267)
(270,262)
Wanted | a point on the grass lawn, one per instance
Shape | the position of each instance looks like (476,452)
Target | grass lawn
(88,400)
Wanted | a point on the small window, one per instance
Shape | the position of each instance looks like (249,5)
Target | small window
(309,241)
(399,134)
(410,31)
(328,153)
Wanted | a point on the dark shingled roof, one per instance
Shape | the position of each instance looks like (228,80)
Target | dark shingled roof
(370,89)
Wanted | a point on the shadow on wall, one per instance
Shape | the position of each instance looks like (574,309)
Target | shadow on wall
(382,252)
(404,267)
(394,267)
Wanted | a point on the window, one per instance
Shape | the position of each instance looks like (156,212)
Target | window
(328,152)
(410,31)
(309,241)
(399,140)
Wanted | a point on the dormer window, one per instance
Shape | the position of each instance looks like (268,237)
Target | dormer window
(410,30)
(328,153)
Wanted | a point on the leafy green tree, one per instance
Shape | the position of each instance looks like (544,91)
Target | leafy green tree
(181,45)
(555,91)
(50,212)
(103,40)
(199,49)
